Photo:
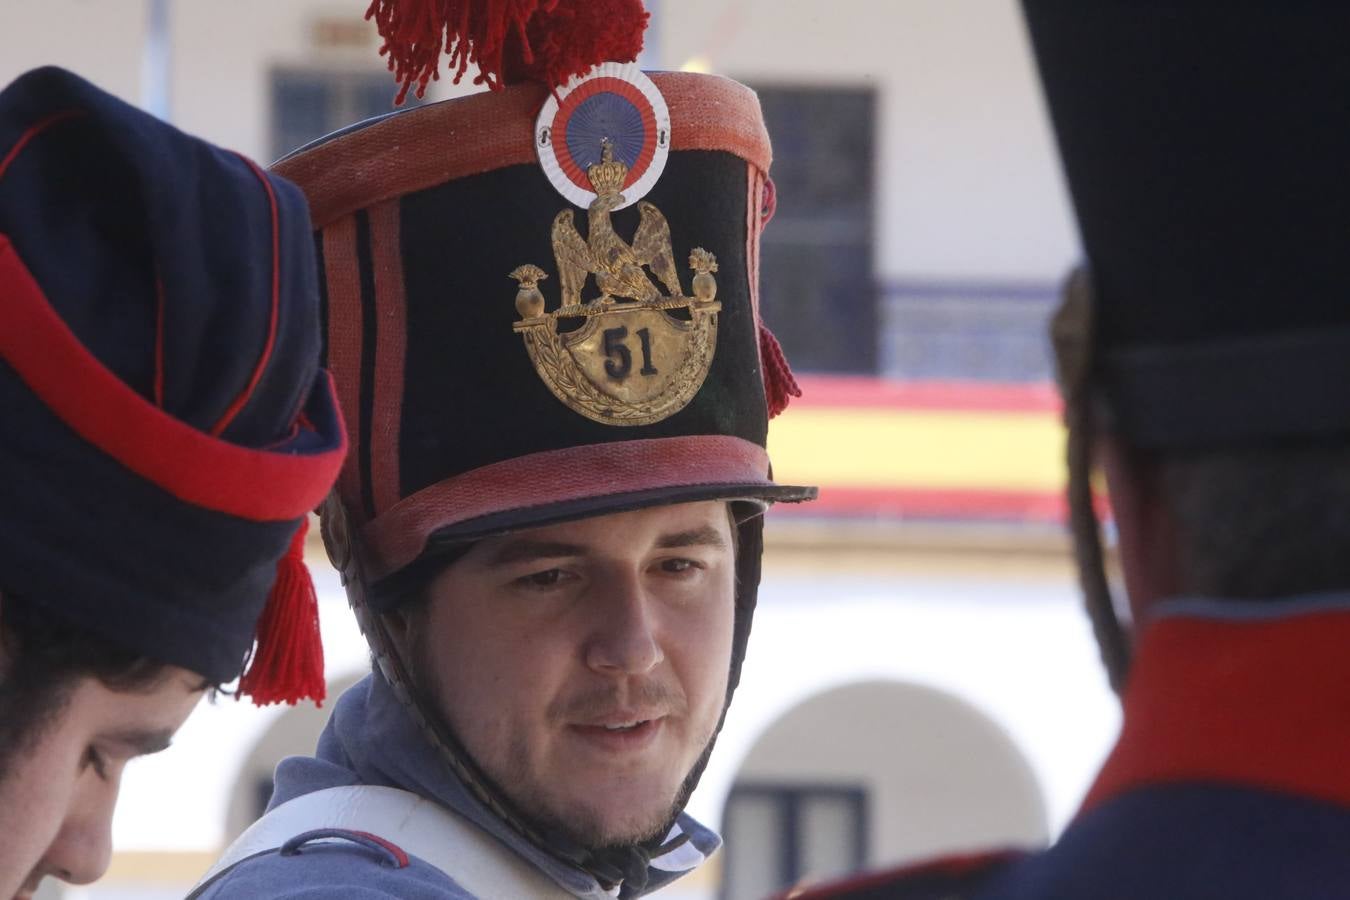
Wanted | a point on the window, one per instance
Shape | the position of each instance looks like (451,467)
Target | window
(779,834)
(817,286)
(310,103)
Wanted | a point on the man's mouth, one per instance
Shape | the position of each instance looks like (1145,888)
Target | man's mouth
(620,733)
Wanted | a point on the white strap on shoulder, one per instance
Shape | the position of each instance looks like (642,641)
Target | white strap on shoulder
(476,861)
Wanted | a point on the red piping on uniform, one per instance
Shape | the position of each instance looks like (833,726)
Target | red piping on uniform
(41,126)
(98,406)
(394,849)
(266,356)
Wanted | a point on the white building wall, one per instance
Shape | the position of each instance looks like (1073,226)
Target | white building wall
(101,40)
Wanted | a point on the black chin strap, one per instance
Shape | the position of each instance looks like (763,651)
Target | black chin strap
(1071,332)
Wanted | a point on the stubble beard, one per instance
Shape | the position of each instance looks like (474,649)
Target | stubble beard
(584,826)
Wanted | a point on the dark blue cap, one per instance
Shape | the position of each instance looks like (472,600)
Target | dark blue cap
(1205,146)
(166,422)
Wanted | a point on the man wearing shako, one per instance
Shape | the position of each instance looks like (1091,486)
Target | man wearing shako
(1205,361)
(543,321)
(166,429)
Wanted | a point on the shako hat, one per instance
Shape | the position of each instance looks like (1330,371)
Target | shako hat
(542,300)
(167,427)
(542,305)
(1205,147)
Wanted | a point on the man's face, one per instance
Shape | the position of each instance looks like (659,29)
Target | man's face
(58,791)
(584,666)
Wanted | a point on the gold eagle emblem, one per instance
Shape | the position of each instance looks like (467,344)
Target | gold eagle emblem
(633,360)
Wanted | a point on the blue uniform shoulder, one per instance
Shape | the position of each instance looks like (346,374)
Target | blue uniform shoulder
(1191,841)
(331,863)
(948,878)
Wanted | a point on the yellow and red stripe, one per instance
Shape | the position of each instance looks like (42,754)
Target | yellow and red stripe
(924,449)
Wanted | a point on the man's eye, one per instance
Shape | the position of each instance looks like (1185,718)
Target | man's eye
(546,578)
(678,566)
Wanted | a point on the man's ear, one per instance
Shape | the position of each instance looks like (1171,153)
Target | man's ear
(1144,524)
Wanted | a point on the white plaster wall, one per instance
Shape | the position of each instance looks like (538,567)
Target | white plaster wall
(98,39)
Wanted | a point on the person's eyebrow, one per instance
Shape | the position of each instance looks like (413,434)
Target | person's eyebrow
(707,536)
(526,550)
(136,742)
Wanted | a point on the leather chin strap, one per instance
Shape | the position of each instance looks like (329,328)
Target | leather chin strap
(627,864)
(1072,335)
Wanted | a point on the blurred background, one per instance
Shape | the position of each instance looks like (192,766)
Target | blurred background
(921,678)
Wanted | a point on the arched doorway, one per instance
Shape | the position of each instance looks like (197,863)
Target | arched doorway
(871,774)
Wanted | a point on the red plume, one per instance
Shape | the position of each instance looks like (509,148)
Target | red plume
(510,41)
(287,663)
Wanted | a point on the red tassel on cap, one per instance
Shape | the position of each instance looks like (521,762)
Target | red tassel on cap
(547,41)
(779,384)
(287,662)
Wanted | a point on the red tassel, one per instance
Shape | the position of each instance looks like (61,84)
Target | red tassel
(510,41)
(779,384)
(287,661)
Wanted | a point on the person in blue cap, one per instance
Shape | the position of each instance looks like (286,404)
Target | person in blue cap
(166,429)
(1204,356)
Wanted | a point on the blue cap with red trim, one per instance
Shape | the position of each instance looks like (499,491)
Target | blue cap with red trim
(167,424)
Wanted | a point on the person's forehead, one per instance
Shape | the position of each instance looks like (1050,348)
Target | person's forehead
(142,715)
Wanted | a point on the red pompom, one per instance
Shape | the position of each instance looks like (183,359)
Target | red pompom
(287,661)
(779,384)
(510,41)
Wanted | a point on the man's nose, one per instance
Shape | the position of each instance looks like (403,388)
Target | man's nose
(83,847)
(624,638)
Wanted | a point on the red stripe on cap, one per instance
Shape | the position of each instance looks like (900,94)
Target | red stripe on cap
(557,476)
(194,467)
(41,126)
(936,503)
(390,348)
(345,339)
(247,393)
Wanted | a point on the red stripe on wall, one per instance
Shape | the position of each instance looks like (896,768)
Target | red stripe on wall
(923,503)
(825,391)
